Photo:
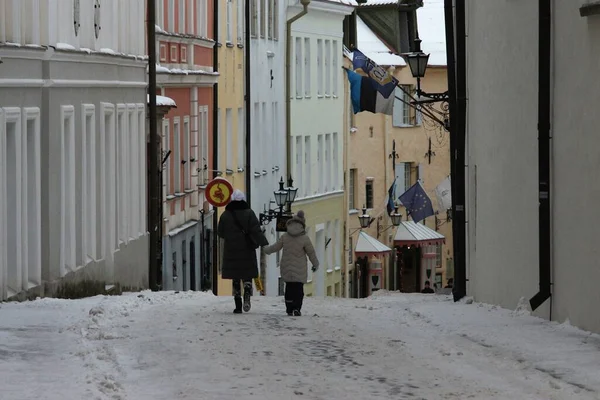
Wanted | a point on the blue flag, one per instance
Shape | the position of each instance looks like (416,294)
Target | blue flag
(417,203)
(382,81)
(391,195)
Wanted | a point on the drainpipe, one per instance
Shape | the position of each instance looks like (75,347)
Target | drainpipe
(154,188)
(544,109)
(247,79)
(288,90)
(215,163)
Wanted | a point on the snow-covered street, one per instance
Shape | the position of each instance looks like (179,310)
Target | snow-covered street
(190,346)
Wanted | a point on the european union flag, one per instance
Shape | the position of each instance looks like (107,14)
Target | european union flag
(391,196)
(417,203)
(383,82)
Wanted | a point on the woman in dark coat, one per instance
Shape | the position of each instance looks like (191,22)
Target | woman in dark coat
(240,230)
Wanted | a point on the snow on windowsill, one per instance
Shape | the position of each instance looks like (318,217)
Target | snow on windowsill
(338,268)
(179,71)
(329,271)
(163,101)
(161,31)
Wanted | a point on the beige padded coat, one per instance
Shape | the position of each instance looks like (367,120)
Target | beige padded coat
(296,247)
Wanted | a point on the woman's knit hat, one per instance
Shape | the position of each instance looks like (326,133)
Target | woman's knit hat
(238,195)
(300,215)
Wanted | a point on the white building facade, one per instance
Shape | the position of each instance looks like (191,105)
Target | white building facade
(267,115)
(502,157)
(317,129)
(72,145)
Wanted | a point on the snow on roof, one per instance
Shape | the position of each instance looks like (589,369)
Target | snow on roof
(373,47)
(369,245)
(410,232)
(379,3)
(163,101)
(432,31)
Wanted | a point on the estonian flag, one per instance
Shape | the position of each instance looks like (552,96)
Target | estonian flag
(385,83)
(391,194)
(366,97)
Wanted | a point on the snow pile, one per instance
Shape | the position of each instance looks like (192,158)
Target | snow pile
(523,308)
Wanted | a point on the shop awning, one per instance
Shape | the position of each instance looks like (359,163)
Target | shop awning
(412,234)
(367,245)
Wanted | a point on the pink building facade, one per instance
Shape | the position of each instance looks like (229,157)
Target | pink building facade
(185,73)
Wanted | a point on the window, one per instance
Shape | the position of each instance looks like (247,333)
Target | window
(190,16)
(67,203)
(184,271)
(166,147)
(298,66)
(327,68)
(352,189)
(334,63)
(320,161)
(307,80)
(403,114)
(254,20)
(202,18)
(141,113)
(263,23)
(181,20)
(204,135)
(160,15)
(240,21)
(131,172)
(31,241)
(307,166)
(270,20)
(229,12)
(334,161)
(229,130)
(336,250)
(122,185)
(350,31)
(104,177)
(241,135)
(328,163)
(187,184)
(275,19)
(402,176)
(174,265)
(173,55)
(369,194)
(171,14)
(11,201)
(176,156)
(438,255)
(319,67)
(350,250)
(299,164)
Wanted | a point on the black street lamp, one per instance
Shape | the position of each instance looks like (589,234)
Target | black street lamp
(364,219)
(417,62)
(284,197)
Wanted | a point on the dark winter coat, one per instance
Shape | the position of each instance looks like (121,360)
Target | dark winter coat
(296,247)
(239,257)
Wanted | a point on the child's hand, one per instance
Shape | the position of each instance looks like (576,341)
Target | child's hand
(314,269)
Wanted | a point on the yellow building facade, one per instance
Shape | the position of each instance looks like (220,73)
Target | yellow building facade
(422,150)
(230,126)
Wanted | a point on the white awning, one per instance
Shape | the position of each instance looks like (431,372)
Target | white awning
(368,245)
(410,233)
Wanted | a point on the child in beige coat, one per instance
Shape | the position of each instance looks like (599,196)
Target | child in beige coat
(296,247)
